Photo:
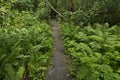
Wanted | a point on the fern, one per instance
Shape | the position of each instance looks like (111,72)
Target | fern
(81,36)
(10,72)
(96,38)
(113,30)
(25,46)
(94,51)
(84,47)
(20,73)
(82,73)
(90,30)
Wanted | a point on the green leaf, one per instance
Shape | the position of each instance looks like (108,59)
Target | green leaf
(116,76)
(84,47)
(37,47)
(82,72)
(10,72)
(81,36)
(14,1)
(105,68)
(20,73)
(96,38)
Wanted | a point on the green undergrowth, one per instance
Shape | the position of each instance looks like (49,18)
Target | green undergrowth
(93,51)
(25,52)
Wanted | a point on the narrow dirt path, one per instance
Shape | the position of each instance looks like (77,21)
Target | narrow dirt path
(58,71)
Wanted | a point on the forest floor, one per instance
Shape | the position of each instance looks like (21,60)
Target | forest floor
(58,70)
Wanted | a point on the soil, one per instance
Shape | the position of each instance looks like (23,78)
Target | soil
(58,70)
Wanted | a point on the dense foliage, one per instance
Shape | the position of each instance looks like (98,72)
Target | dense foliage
(94,51)
(25,52)
(91,11)
(75,11)
(25,47)
(26,38)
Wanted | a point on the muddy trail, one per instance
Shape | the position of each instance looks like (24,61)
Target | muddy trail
(58,70)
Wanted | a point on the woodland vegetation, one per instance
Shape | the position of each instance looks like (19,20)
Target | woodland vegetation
(89,30)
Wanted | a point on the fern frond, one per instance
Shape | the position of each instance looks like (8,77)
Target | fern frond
(113,29)
(82,73)
(84,47)
(90,30)
(20,73)
(96,38)
(81,36)
(10,73)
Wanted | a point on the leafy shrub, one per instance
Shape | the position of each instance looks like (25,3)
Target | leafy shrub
(24,44)
(94,51)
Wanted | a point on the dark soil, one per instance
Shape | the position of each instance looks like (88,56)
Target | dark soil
(58,70)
